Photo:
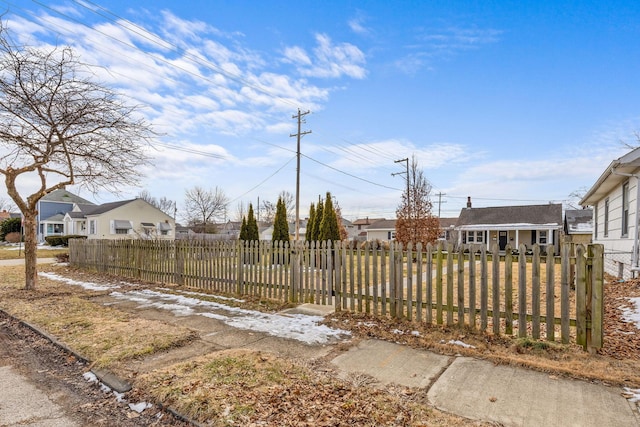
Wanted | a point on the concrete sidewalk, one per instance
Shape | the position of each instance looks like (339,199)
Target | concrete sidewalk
(481,390)
(471,388)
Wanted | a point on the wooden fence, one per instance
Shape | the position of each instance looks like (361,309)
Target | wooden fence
(536,294)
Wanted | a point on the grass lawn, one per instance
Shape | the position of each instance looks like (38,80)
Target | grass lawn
(14,252)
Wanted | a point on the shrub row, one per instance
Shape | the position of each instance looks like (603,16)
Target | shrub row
(62,240)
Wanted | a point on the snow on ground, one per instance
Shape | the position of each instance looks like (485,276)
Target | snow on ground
(86,285)
(17,247)
(138,407)
(300,327)
(632,315)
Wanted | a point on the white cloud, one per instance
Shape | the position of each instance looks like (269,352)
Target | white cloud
(329,60)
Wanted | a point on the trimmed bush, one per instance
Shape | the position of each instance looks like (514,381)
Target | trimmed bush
(13,237)
(62,240)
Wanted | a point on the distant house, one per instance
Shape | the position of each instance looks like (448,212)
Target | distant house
(361,226)
(510,225)
(52,209)
(578,226)
(129,219)
(383,230)
(615,201)
(448,230)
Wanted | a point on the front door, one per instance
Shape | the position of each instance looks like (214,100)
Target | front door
(502,239)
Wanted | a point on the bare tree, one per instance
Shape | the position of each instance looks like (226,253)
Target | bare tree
(61,128)
(415,221)
(289,201)
(202,207)
(165,205)
(267,211)
(7,205)
(240,212)
(575,196)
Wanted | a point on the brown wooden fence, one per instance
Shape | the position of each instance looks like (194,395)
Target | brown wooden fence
(537,294)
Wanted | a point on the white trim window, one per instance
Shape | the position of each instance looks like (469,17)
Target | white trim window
(120,226)
(93,227)
(475,236)
(543,237)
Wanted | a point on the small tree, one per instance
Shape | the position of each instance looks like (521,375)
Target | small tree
(252,226)
(415,222)
(60,128)
(329,229)
(315,233)
(280,225)
(308,236)
(10,225)
(243,230)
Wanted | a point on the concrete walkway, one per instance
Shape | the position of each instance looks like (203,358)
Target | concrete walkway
(22,404)
(480,390)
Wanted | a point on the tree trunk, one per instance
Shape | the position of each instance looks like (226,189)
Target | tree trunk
(30,250)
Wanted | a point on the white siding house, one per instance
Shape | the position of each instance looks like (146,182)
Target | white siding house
(128,219)
(615,202)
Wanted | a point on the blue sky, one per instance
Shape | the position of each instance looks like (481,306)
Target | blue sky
(506,102)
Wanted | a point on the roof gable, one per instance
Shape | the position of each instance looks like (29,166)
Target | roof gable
(527,214)
(65,196)
(614,175)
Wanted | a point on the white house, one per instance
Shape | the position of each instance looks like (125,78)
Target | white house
(129,219)
(510,225)
(615,199)
(383,230)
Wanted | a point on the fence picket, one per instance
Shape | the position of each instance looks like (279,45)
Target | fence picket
(371,279)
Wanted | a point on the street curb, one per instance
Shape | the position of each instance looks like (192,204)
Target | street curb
(105,376)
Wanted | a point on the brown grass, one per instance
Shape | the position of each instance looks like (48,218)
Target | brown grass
(12,253)
(102,334)
(239,387)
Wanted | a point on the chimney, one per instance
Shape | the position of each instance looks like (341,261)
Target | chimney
(468,202)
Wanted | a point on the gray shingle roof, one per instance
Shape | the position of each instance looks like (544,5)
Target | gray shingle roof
(106,207)
(529,214)
(579,221)
(65,196)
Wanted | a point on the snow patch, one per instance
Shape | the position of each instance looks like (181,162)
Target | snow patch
(86,285)
(632,315)
(461,344)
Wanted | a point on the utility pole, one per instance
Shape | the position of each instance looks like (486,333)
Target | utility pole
(299,135)
(407,173)
(440,202)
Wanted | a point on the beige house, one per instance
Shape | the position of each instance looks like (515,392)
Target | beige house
(127,219)
(383,230)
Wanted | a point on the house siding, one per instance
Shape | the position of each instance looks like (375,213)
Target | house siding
(137,212)
(618,247)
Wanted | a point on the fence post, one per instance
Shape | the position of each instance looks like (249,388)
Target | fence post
(522,291)
(566,267)
(495,288)
(581,296)
(595,296)
(551,297)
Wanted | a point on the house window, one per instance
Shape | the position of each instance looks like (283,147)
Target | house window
(475,236)
(391,235)
(595,221)
(121,226)
(606,218)
(92,226)
(625,209)
(542,237)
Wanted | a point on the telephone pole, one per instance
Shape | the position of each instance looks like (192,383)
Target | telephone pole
(300,117)
(440,202)
(407,174)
